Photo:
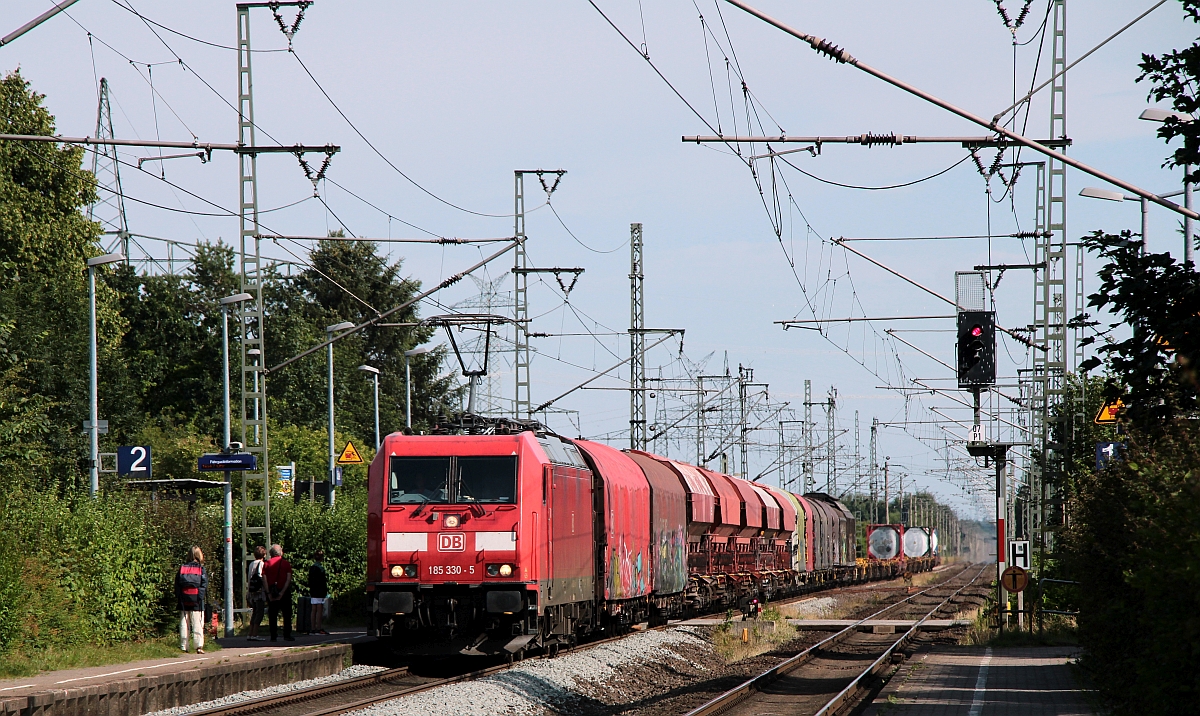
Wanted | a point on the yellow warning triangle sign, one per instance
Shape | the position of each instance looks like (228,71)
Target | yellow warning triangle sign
(349,456)
(1109,412)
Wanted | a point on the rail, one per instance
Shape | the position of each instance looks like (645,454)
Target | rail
(746,689)
(837,701)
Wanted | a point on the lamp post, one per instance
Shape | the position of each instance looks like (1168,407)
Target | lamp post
(1160,115)
(94,423)
(225,304)
(1108,195)
(420,350)
(375,377)
(330,330)
(226,446)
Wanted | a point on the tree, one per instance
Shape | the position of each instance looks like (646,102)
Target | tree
(1155,368)
(45,241)
(1133,541)
(171,352)
(350,281)
(1176,77)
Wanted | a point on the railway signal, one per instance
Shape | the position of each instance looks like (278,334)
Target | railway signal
(976,348)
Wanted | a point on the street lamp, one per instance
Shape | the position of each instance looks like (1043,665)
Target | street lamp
(94,423)
(1162,115)
(225,304)
(228,572)
(420,350)
(330,330)
(375,377)
(1096,193)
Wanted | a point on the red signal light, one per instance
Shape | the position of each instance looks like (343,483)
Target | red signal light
(976,331)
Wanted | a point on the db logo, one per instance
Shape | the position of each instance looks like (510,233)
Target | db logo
(452,542)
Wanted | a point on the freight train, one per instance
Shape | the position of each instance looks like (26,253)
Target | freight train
(520,539)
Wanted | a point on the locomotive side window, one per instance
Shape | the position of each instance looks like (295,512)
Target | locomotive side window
(486,479)
(418,479)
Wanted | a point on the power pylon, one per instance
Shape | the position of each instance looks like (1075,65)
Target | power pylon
(523,405)
(109,207)
(490,300)
(1052,354)
(637,342)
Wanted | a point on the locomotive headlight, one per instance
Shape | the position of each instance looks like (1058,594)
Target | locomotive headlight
(410,570)
(397,571)
(451,521)
(493,570)
(506,570)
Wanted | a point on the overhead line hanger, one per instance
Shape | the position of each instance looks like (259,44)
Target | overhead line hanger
(839,55)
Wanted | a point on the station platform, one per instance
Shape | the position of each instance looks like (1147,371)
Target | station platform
(141,686)
(978,681)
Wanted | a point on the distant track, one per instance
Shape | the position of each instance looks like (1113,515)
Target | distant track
(828,677)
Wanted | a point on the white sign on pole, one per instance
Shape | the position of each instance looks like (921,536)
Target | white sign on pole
(976,435)
(1018,554)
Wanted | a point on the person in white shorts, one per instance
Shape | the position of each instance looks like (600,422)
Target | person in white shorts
(318,589)
(191,587)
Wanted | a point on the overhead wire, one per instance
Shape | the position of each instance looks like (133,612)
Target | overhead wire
(143,18)
(380,154)
(873,188)
(228,212)
(778,230)
(178,59)
(577,239)
(151,24)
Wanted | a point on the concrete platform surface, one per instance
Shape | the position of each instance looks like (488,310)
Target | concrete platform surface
(232,648)
(978,681)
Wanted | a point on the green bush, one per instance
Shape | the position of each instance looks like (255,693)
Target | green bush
(75,570)
(304,527)
(1134,545)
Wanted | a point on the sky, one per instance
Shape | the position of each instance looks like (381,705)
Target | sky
(458,95)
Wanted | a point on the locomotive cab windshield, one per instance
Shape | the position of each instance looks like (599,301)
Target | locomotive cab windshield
(486,479)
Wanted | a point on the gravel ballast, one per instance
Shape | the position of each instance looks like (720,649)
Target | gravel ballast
(348,673)
(587,680)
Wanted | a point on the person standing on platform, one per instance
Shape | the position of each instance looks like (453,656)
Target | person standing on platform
(278,574)
(256,592)
(318,590)
(191,589)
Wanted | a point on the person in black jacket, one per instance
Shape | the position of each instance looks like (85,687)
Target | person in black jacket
(191,588)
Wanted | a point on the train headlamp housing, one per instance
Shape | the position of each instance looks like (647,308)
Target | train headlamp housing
(499,570)
(399,571)
(452,521)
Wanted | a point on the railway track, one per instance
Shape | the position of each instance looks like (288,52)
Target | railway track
(831,676)
(336,698)
(364,691)
(360,692)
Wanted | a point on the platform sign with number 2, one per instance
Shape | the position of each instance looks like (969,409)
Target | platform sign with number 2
(134,460)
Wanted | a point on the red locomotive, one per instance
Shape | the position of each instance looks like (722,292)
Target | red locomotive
(494,543)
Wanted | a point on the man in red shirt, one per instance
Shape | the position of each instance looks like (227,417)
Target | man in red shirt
(277,572)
